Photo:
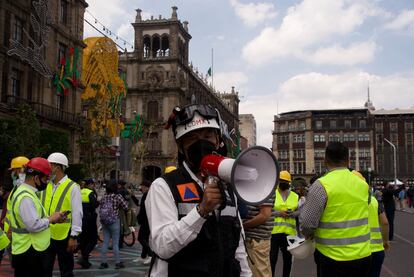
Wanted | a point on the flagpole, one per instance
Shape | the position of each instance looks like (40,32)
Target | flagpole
(212,68)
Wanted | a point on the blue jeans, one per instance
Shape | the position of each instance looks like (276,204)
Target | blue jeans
(111,231)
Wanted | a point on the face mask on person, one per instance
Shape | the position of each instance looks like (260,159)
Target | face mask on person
(18,178)
(42,185)
(284,186)
(198,150)
(22,177)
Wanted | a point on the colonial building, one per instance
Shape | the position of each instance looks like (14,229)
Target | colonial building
(248,128)
(160,77)
(37,40)
(300,139)
(396,126)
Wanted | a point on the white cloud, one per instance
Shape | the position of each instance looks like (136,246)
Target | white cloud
(304,26)
(223,81)
(320,91)
(405,20)
(252,14)
(357,53)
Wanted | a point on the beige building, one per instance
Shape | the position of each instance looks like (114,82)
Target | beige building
(34,39)
(160,77)
(247,127)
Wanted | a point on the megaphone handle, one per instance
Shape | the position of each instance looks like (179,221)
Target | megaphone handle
(223,196)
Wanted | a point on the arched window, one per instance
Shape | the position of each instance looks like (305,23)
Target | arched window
(165,46)
(152,110)
(147,47)
(156,46)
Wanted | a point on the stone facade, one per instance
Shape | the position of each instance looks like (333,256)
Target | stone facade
(160,77)
(22,82)
(248,128)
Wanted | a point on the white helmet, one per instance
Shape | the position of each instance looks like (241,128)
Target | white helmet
(58,158)
(300,248)
(197,122)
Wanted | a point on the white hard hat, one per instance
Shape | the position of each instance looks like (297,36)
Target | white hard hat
(58,158)
(300,248)
(198,122)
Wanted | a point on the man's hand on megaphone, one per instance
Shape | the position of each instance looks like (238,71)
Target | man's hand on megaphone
(211,199)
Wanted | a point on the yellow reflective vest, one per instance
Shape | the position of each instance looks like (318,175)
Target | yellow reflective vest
(22,239)
(59,201)
(376,235)
(285,225)
(343,233)
(85,192)
(4,240)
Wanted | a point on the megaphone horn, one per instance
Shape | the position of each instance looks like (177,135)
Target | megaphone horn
(253,174)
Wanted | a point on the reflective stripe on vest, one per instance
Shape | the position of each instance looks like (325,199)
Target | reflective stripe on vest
(85,192)
(285,225)
(22,238)
(57,201)
(343,233)
(376,235)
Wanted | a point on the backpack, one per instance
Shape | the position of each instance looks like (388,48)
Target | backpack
(107,213)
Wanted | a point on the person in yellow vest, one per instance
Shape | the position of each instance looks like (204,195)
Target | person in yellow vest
(63,195)
(379,233)
(29,222)
(4,240)
(285,210)
(17,174)
(89,235)
(335,214)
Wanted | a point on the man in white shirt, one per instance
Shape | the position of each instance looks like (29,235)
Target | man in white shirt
(189,236)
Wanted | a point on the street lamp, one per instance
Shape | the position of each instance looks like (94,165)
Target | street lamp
(369,175)
(395,159)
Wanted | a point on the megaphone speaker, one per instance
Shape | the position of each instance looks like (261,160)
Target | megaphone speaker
(253,175)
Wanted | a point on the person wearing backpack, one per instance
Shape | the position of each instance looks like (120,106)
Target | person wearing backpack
(110,203)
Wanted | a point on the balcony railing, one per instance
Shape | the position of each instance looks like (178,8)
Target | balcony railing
(44,111)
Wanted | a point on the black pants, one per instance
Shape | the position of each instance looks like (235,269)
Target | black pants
(88,238)
(279,242)
(390,217)
(328,267)
(376,263)
(143,238)
(65,258)
(31,263)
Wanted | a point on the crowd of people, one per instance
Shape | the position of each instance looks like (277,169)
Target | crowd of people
(194,225)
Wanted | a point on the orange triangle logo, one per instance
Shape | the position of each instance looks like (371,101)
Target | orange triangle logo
(188,192)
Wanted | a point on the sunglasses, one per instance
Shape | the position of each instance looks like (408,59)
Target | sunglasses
(186,114)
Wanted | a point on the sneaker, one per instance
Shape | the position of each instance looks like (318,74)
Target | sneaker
(103,266)
(119,265)
(147,261)
(138,260)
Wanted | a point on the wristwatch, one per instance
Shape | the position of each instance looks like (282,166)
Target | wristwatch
(199,212)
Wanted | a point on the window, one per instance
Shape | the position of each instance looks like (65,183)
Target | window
(319,167)
(363,137)
(393,126)
(319,153)
(153,110)
(379,127)
(63,13)
(60,102)
(348,124)
(299,153)
(318,124)
(316,138)
(291,126)
(16,81)
(298,138)
(284,154)
(394,139)
(302,125)
(153,143)
(282,128)
(299,167)
(332,124)
(346,137)
(380,139)
(408,126)
(284,166)
(18,30)
(351,137)
(409,139)
(364,153)
(334,137)
(362,124)
(61,53)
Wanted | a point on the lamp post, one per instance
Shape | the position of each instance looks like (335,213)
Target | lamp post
(395,159)
(369,176)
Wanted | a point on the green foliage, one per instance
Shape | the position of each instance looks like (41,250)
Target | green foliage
(54,141)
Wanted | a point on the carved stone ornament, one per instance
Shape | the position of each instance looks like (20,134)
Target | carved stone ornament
(155,76)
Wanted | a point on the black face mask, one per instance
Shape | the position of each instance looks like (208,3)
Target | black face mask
(198,150)
(42,185)
(284,186)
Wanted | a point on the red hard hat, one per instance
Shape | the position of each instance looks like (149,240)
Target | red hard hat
(40,165)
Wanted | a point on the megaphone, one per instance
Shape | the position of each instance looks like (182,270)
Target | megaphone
(253,175)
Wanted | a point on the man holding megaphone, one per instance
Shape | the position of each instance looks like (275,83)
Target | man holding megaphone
(190,236)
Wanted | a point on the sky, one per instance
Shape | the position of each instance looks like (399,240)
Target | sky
(286,55)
